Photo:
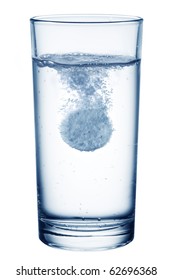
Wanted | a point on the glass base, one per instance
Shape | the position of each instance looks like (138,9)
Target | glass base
(86,235)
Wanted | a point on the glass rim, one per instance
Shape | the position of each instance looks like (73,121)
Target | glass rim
(86,19)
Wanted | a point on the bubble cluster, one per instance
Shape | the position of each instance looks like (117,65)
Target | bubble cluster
(85,80)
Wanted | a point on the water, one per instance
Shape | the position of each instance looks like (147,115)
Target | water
(86,115)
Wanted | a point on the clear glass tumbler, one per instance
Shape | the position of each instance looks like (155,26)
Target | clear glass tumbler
(86,74)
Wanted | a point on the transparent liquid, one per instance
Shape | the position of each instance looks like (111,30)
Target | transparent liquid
(86,116)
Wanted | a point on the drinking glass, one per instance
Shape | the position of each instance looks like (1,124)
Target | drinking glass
(86,75)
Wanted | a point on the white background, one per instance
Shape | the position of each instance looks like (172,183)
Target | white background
(153,243)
